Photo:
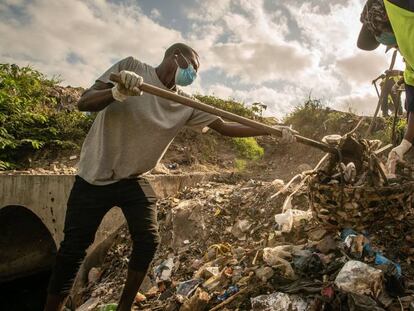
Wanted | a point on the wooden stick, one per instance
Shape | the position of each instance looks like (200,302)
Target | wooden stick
(224,114)
(379,168)
(383,149)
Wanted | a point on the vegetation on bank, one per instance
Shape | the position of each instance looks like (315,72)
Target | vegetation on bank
(29,118)
(314,120)
(32,120)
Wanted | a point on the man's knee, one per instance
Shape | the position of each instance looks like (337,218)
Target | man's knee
(74,249)
(147,242)
(143,251)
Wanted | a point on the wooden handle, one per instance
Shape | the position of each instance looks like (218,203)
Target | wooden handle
(148,88)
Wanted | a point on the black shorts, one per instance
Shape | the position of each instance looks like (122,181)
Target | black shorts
(409,98)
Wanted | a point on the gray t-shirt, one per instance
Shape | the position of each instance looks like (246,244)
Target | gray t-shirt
(128,139)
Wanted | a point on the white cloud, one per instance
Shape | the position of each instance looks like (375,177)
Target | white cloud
(363,103)
(95,32)
(361,67)
(247,52)
(259,62)
(155,14)
(279,102)
(209,10)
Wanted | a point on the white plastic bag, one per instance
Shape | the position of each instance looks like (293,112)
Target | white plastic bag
(291,218)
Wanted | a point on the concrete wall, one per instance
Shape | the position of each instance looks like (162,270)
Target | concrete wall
(46,196)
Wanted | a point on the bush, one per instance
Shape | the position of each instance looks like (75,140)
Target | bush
(312,119)
(29,120)
(231,106)
(308,118)
(240,165)
(248,148)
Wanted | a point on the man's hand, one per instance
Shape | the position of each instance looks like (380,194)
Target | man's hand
(129,86)
(397,154)
(288,134)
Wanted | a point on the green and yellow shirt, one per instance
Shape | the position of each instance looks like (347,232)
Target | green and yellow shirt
(401,16)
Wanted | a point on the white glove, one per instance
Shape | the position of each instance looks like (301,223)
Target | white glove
(129,86)
(288,134)
(397,154)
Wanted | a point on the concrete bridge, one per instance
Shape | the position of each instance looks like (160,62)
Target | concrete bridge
(32,213)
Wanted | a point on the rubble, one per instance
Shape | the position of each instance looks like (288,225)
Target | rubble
(222,248)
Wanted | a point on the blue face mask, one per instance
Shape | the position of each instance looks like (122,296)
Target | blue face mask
(387,38)
(185,76)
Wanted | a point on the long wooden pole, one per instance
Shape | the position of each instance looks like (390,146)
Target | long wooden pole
(148,88)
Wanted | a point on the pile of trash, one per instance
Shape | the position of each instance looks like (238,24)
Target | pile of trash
(355,189)
(256,246)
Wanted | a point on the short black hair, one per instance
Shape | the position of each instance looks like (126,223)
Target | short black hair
(183,48)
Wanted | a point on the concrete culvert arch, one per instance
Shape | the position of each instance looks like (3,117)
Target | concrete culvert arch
(26,245)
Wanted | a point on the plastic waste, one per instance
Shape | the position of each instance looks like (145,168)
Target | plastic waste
(164,270)
(214,282)
(276,256)
(382,260)
(229,292)
(278,302)
(356,244)
(291,218)
(140,297)
(333,139)
(349,172)
(359,278)
(394,280)
(308,266)
(188,287)
(328,292)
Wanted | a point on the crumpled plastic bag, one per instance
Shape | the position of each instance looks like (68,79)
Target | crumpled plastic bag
(277,257)
(291,218)
(278,302)
(359,278)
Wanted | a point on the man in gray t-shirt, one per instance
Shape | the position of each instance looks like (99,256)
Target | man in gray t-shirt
(129,136)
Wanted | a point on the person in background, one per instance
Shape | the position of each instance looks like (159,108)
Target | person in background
(391,22)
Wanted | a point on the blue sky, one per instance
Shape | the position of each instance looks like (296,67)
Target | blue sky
(272,51)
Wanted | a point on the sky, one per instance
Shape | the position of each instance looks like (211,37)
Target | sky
(270,51)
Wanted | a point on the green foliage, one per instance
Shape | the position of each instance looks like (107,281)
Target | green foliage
(29,120)
(312,119)
(385,135)
(248,148)
(238,108)
(240,165)
(308,117)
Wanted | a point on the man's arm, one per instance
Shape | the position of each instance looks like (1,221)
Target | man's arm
(233,129)
(97,97)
